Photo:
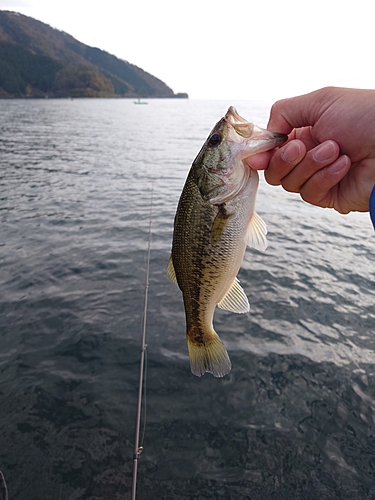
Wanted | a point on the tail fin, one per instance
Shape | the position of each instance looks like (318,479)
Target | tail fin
(210,356)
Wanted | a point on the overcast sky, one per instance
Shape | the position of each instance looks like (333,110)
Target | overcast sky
(242,49)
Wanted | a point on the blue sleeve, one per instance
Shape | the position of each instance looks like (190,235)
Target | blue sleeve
(372,207)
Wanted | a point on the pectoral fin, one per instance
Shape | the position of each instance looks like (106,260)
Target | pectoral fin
(219,224)
(235,300)
(256,233)
(171,273)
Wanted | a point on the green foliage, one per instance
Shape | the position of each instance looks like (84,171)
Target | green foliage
(120,88)
(20,68)
(81,80)
(118,71)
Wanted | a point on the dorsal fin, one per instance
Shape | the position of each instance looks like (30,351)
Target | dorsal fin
(235,299)
(256,233)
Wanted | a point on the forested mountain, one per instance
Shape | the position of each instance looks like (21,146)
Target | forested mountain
(39,61)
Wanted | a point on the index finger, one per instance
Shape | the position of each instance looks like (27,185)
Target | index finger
(260,161)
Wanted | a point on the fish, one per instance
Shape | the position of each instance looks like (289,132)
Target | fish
(215,220)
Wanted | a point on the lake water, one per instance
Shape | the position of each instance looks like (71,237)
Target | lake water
(294,419)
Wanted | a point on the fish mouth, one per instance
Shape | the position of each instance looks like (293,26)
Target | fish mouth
(242,127)
(257,138)
(263,140)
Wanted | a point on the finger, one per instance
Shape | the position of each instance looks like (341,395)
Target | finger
(321,188)
(316,159)
(260,161)
(284,161)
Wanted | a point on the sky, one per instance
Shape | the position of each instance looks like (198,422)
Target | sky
(245,49)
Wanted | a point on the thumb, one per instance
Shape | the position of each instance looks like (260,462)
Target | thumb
(300,111)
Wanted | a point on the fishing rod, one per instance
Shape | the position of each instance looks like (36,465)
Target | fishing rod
(137,447)
(3,487)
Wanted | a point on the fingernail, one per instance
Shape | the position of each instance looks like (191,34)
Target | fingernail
(340,164)
(291,152)
(324,151)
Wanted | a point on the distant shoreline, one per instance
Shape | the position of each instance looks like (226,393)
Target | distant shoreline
(40,98)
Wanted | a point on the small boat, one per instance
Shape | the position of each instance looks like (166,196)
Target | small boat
(140,102)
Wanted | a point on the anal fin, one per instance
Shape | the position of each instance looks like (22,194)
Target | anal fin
(235,300)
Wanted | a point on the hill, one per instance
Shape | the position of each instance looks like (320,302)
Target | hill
(37,60)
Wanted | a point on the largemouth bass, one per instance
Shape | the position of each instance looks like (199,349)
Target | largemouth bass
(214,222)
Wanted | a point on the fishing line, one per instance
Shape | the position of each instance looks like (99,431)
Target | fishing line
(138,448)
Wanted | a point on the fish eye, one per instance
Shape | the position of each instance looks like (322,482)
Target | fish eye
(215,140)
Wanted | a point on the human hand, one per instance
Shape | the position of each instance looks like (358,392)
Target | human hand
(330,154)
